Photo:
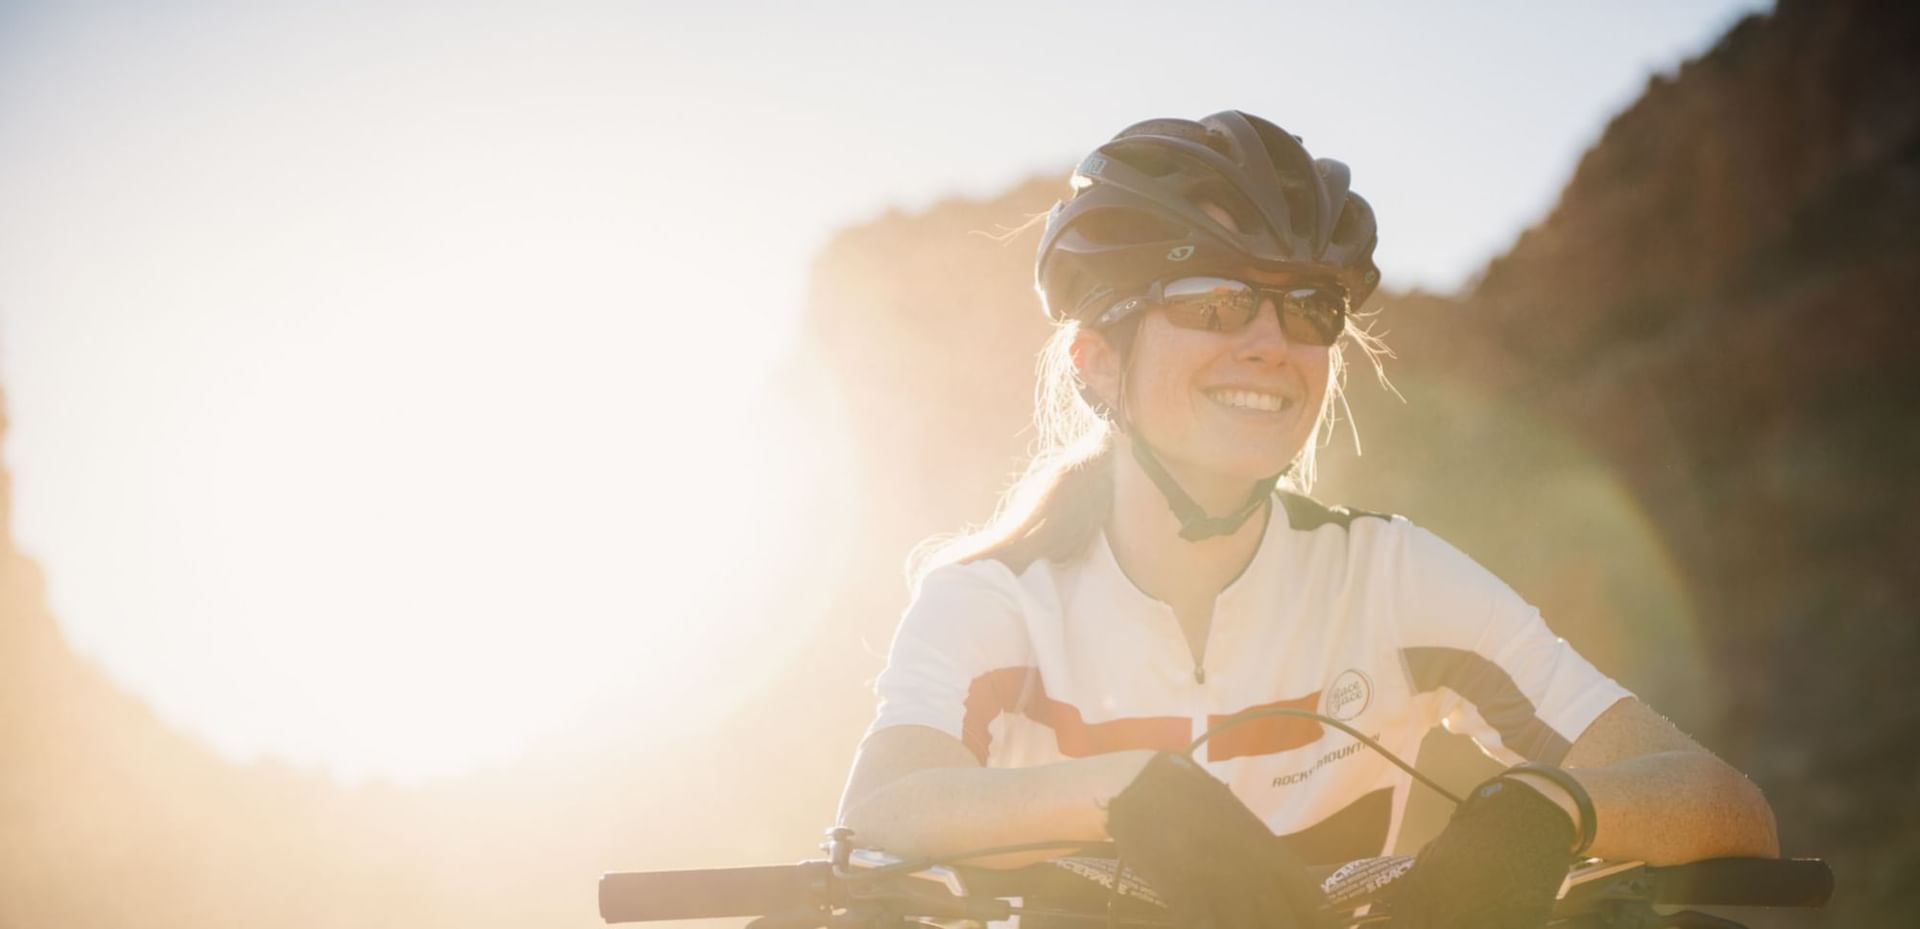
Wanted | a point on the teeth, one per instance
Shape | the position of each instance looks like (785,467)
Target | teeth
(1249,400)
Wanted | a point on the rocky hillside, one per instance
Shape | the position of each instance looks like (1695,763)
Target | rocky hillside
(1723,301)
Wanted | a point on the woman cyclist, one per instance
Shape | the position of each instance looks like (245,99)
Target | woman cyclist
(1159,570)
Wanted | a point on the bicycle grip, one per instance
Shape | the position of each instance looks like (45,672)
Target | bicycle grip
(1791,882)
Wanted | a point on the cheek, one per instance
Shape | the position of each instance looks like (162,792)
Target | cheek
(1316,372)
(1149,393)
(1160,381)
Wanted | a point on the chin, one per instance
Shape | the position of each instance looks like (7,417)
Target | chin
(1236,459)
(1251,471)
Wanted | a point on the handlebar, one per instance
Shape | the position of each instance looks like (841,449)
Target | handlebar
(647,896)
(872,889)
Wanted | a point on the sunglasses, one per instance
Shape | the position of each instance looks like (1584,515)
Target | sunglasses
(1313,314)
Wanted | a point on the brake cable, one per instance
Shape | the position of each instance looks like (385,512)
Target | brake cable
(1246,716)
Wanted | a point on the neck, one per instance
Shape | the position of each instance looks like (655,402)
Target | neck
(1145,535)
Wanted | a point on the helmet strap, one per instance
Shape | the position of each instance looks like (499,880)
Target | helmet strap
(1195,524)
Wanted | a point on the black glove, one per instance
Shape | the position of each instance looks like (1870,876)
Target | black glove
(1497,865)
(1215,863)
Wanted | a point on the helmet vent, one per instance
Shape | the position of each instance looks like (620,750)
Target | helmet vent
(1149,159)
(1218,192)
(1127,227)
(1349,229)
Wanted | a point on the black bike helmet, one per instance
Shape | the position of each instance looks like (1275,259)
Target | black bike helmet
(1135,216)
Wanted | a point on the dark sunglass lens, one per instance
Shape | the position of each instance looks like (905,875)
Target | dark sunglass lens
(1315,315)
(1210,303)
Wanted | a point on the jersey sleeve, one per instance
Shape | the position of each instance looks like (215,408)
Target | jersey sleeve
(1497,673)
(959,657)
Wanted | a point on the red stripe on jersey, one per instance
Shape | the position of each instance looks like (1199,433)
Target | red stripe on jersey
(1001,691)
(1268,735)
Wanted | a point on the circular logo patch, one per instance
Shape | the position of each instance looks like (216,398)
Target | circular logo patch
(1349,695)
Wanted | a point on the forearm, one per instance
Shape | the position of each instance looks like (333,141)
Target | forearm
(943,811)
(1672,807)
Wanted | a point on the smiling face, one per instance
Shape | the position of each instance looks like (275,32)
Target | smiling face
(1220,409)
(1225,408)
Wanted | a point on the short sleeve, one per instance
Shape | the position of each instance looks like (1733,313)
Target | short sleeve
(1499,674)
(960,656)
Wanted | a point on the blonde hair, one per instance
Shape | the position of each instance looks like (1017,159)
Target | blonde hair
(1055,507)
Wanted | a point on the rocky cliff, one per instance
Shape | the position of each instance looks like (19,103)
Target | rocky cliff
(1723,302)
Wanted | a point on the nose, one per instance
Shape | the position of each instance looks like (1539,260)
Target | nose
(1265,340)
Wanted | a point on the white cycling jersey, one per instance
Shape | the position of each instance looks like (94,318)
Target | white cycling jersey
(1365,618)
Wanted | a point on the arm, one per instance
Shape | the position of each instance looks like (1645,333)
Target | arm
(1212,861)
(1659,797)
(915,790)
(918,785)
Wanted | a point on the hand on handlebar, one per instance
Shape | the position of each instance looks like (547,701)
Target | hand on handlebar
(1497,865)
(1215,863)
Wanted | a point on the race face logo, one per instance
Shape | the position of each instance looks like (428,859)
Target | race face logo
(1349,695)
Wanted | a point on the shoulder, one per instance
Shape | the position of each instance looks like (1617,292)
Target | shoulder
(970,578)
(1382,548)
(1358,536)
(1305,514)
(1384,533)
(960,608)
(989,581)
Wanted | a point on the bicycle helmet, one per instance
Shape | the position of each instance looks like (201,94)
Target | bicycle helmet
(1135,214)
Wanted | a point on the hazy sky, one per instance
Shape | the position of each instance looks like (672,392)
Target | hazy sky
(305,308)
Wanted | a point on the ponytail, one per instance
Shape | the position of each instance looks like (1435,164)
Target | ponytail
(1062,500)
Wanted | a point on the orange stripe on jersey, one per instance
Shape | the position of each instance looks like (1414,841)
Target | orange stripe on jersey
(1002,690)
(1267,736)
(999,691)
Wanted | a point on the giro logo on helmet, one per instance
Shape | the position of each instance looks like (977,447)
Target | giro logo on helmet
(1181,253)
